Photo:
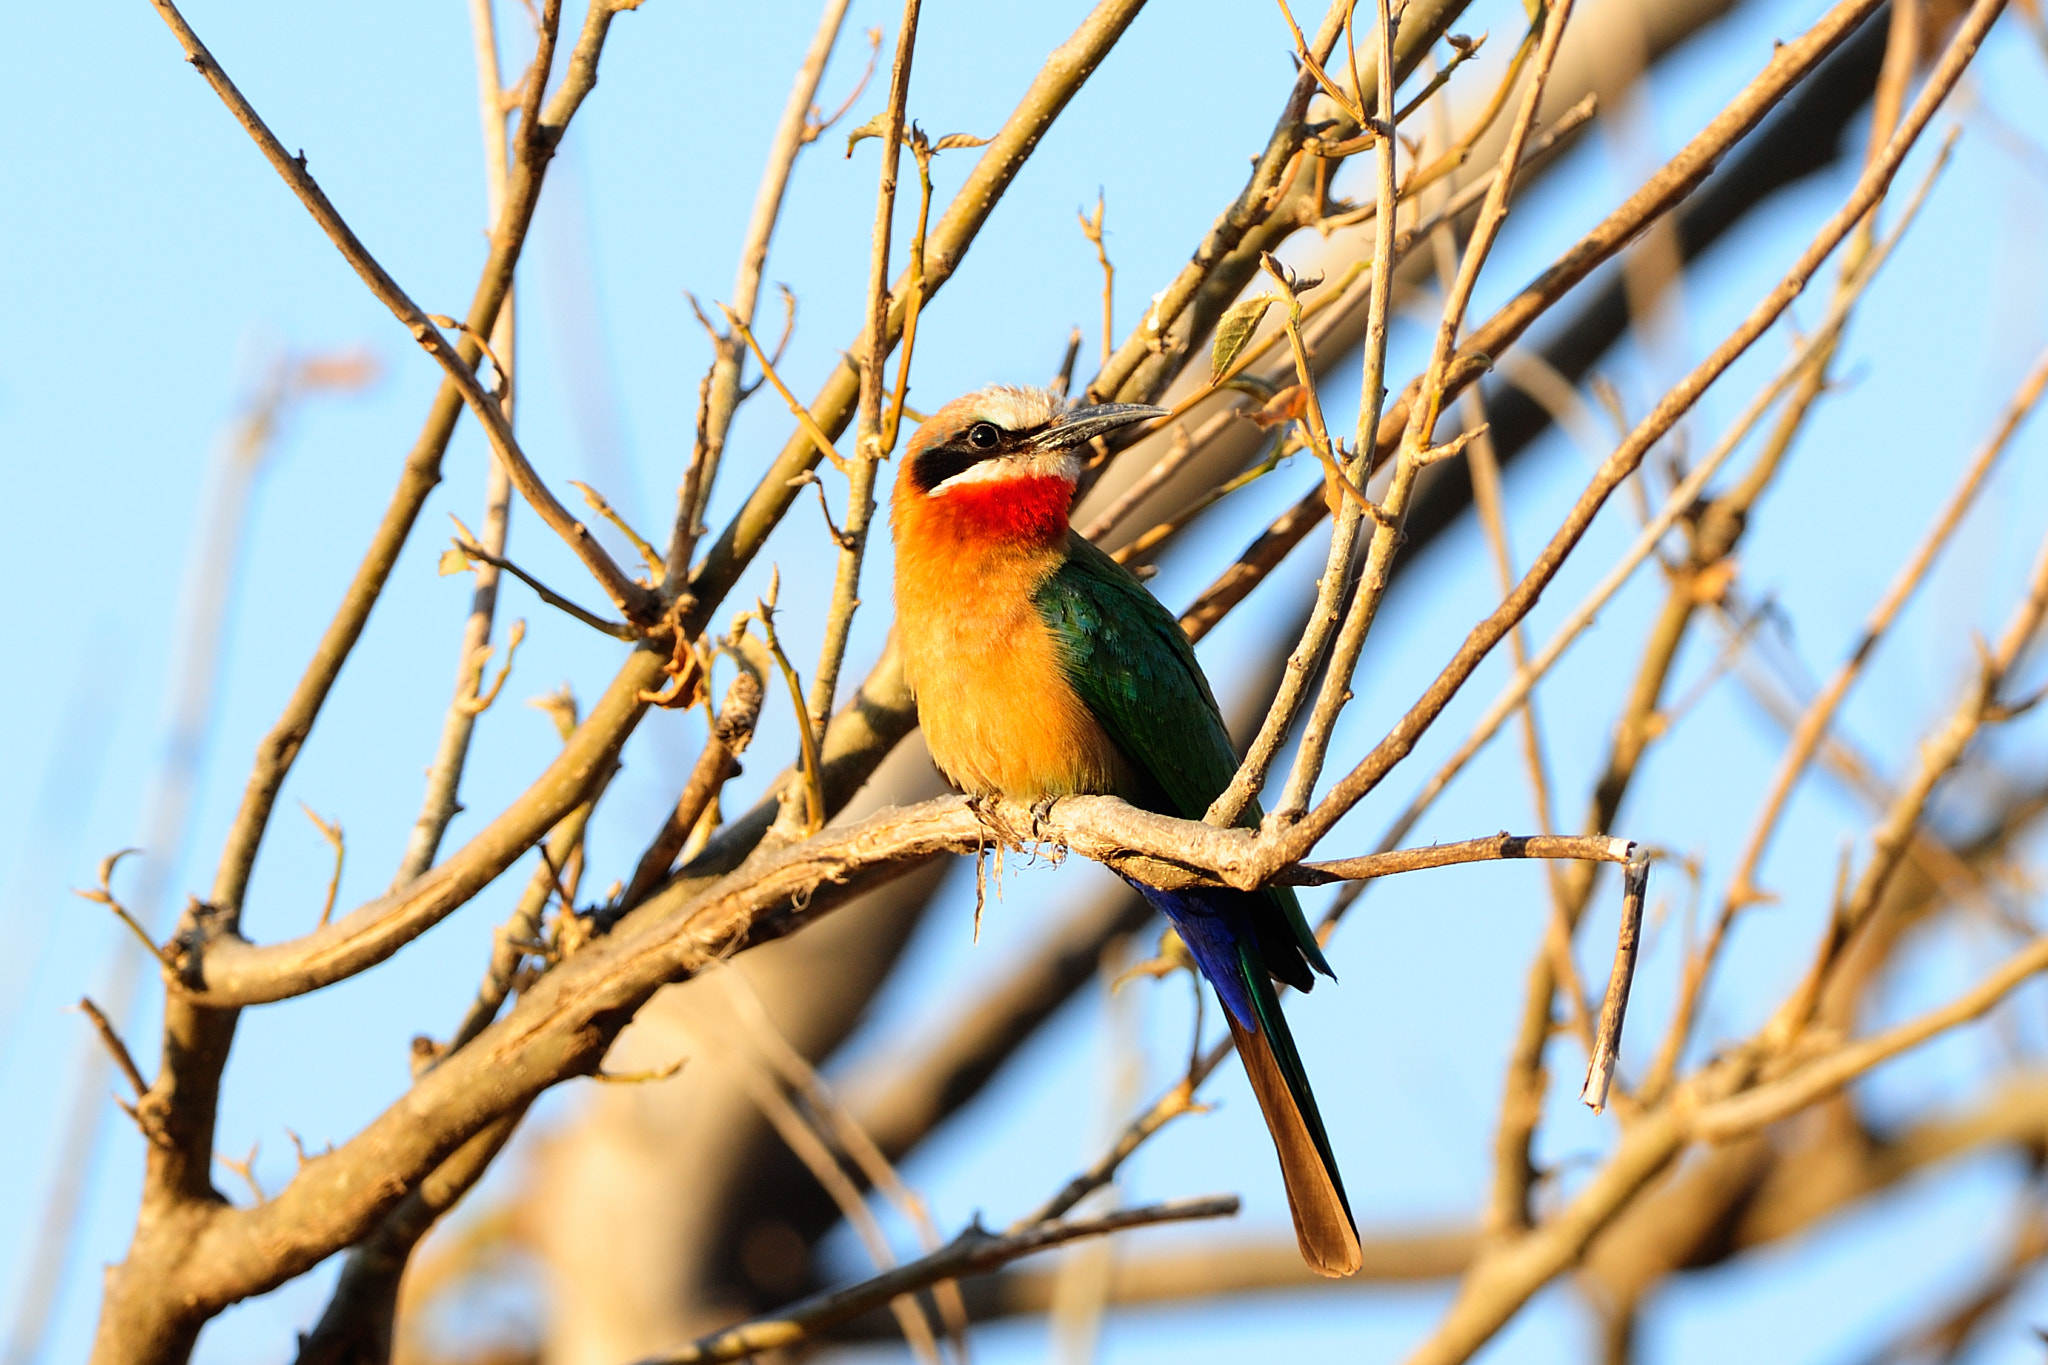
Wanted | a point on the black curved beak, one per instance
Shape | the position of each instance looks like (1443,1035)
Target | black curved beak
(1082,425)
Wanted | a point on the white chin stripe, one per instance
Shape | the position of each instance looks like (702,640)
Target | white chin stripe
(1059,464)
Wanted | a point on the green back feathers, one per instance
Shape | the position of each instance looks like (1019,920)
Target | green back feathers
(1129,662)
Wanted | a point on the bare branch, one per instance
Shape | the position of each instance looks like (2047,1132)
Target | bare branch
(1869,189)
(1419,437)
(973,1250)
(1065,70)
(729,736)
(635,601)
(1819,715)
(280,746)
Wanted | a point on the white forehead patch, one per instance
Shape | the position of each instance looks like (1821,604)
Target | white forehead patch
(1017,409)
(1055,464)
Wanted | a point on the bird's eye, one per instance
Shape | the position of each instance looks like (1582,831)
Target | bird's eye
(984,435)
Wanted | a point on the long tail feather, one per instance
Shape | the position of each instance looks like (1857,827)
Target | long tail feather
(1315,1192)
(1218,928)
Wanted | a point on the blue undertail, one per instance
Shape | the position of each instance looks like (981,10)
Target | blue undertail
(1215,931)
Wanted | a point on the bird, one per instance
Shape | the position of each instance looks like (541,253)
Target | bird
(1043,668)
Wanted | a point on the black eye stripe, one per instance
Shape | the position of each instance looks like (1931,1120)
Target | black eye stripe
(980,441)
(934,467)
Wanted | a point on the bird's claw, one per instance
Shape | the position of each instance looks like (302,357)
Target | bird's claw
(984,807)
(1041,812)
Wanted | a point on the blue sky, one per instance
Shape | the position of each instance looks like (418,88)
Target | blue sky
(153,265)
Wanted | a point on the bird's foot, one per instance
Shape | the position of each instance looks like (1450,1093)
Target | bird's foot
(984,804)
(1041,812)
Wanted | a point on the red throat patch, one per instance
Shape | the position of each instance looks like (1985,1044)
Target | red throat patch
(1031,510)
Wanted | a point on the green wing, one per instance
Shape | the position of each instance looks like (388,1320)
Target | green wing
(1129,662)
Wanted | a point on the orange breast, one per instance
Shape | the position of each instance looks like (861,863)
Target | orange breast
(992,694)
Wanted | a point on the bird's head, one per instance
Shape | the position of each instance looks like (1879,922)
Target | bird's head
(1002,462)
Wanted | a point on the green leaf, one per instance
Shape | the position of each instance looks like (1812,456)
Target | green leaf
(1234,331)
(453,561)
(952,140)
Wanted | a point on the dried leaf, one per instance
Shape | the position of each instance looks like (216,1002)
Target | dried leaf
(1234,331)
(453,561)
(952,140)
(874,127)
(1251,384)
(1285,406)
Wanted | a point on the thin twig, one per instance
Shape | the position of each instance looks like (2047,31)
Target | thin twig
(103,894)
(802,414)
(331,832)
(1339,479)
(722,385)
(1597,848)
(875,435)
(922,150)
(1815,721)
(646,1077)
(1142,546)
(117,1049)
(523,927)
(972,1252)
(807,733)
(1343,98)
(1766,1104)
(1870,187)
(1178,453)
(650,556)
(1417,441)
(846,1131)
(810,1147)
(730,734)
(1091,228)
(1606,1049)
(1179,1099)
(484,700)
(469,549)
(440,801)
